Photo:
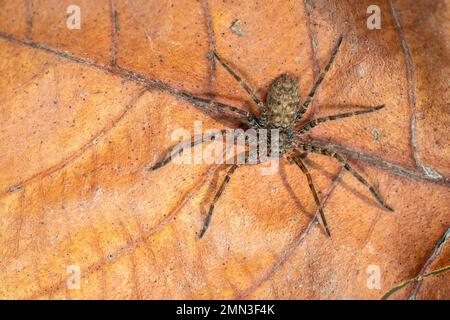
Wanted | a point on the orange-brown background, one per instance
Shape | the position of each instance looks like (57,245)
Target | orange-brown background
(84,113)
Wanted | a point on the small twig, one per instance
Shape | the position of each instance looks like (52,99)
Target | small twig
(436,252)
(416,279)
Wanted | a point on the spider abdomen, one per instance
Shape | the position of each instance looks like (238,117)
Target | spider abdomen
(283,101)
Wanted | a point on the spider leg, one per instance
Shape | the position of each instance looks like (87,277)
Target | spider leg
(176,150)
(222,188)
(194,99)
(247,88)
(341,159)
(216,198)
(322,74)
(311,124)
(304,169)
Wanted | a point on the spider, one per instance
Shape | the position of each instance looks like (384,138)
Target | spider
(282,110)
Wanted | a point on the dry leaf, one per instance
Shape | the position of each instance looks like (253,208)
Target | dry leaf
(86,112)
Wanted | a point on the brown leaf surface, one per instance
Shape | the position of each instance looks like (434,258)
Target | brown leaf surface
(84,113)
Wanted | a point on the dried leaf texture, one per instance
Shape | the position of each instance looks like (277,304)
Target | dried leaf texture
(85,113)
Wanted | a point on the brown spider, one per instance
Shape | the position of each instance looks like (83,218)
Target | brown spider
(282,111)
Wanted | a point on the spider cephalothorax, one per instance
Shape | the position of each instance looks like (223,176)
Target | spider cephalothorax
(282,111)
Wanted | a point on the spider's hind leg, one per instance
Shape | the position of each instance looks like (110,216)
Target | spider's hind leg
(346,165)
(216,198)
(297,160)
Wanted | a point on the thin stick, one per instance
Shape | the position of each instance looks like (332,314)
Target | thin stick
(436,252)
(416,279)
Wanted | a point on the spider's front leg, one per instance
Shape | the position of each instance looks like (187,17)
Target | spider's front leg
(307,147)
(246,87)
(319,80)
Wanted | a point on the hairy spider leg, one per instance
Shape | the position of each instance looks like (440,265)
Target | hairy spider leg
(322,74)
(304,169)
(194,99)
(175,153)
(220,191)
(316,149)
(313,123)
(247,88)
(216,198)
